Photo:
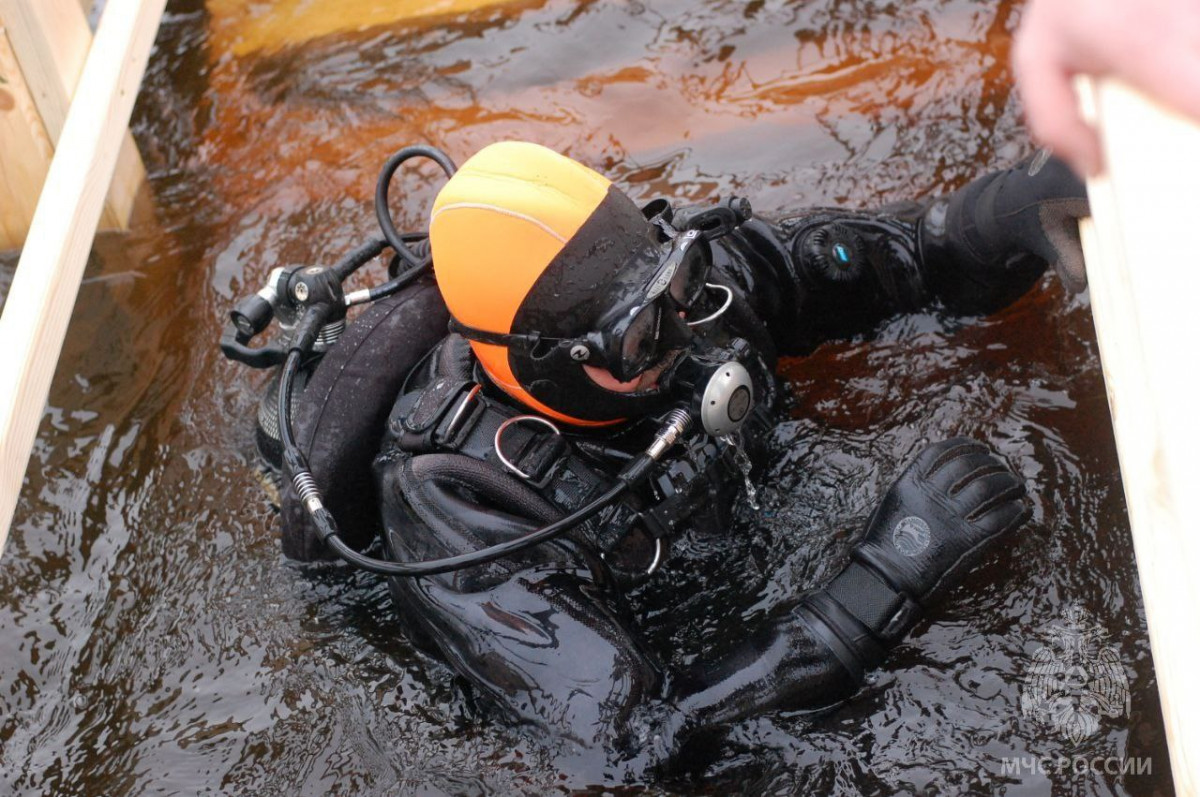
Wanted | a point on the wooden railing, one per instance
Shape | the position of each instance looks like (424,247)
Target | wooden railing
(43,46)
(43,290)
(1144,279)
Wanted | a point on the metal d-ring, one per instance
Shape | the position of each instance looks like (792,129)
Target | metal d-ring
(462,408)
(720,310)
(500,453)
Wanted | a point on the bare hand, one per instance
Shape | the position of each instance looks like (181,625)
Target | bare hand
(1153,45)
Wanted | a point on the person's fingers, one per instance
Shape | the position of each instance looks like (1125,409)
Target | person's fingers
(1154,46)
(1169,73)
(949,460)
(1051,106)
(988,491)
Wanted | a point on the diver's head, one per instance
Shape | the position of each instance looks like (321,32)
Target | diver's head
(574,304)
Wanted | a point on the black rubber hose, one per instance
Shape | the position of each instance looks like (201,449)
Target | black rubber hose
(359,258)
(384,214)
(483,555)
(395,284)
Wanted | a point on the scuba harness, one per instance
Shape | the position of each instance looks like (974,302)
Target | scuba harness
(310,304)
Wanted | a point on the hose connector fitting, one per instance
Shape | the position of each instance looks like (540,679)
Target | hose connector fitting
(676,425)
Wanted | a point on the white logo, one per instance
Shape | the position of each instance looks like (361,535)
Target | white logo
(911,536)
(1075,679)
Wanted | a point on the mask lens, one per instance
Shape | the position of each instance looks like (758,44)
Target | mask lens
(639,343)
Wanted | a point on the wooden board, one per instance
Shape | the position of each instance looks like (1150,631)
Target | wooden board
(242,28)
(1145,285)
(50,39)
(25,150)
(43,290)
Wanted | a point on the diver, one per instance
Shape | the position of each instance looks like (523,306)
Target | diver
(557,383)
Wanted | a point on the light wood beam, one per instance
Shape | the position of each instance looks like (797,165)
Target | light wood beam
(51,39)
(42,295)
(1145,289)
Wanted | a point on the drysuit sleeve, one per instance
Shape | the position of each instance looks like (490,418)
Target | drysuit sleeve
(938,518)
(828,273)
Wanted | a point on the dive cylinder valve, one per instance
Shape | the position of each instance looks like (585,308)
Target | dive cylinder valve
(307,287)
(287,293)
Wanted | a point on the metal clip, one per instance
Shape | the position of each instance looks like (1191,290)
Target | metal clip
(658,546)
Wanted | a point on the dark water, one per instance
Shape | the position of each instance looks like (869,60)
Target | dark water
(153,640)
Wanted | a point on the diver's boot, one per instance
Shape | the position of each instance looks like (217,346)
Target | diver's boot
(934,524)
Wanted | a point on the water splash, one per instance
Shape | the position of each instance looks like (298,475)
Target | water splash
(742,459)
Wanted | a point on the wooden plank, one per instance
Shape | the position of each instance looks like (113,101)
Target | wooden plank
(25,150)
(51,39)
(242,28)
(46,282)
(1144,287)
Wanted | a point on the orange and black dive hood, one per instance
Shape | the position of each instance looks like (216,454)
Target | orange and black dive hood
(526,241)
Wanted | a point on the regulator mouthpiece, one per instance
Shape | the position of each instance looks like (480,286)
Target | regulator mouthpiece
(715,387)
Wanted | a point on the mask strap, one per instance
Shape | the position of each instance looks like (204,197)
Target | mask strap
(666,228)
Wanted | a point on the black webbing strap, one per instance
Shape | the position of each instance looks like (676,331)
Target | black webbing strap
(454,415)
(865,595)
(858,615)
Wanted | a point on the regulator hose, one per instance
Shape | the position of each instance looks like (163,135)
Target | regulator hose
(384,215)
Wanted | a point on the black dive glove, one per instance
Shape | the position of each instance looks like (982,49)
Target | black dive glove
(933,525)
(1003,228)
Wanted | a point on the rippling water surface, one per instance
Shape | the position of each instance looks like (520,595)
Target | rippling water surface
(154,641)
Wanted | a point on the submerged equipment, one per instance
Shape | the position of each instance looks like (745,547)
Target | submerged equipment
(310,304)
(674,427)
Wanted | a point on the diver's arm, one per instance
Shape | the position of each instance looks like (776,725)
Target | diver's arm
(824,274)
(933,525)
(828,273)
